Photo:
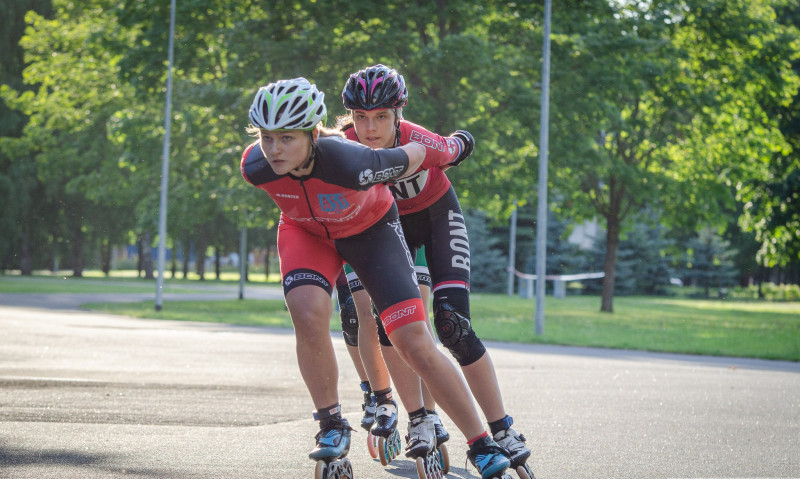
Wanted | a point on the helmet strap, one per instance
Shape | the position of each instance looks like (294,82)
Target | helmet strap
(312,150)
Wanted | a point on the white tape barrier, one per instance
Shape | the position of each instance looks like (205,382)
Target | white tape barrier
(559,282)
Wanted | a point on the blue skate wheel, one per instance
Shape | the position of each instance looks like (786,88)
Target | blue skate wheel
(444,458)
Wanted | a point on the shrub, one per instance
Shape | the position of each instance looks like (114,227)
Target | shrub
(771,292)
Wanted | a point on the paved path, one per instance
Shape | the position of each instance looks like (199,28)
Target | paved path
(89,395)
(73,301)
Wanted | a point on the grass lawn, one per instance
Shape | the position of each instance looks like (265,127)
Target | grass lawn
(118,282)
(746,329)
(757,329)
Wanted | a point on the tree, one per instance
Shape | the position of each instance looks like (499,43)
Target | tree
(709,262)
(658,116)
(487,261)
(682,106)
(21,221)
(644,264)
(72,103)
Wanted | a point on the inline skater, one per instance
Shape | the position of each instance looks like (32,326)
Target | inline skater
(431,216)
(387,414)
(335,208)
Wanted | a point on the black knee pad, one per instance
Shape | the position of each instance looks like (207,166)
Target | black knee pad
(349,317)
(383,338)
(456,334)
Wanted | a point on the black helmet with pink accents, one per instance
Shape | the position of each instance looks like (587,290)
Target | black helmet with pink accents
(374,88)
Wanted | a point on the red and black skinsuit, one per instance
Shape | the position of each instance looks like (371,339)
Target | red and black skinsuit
(343,212)
(431,215)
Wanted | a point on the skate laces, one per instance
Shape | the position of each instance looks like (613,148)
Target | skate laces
(417,429)
(331,434)
(369,404)
(510,440)
(369,401)
(481,453)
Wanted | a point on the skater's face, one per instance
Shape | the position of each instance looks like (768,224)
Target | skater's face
(286,151)
(375,128)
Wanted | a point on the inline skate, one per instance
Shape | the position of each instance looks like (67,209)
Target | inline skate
(330,452)
(442,436)
(368,419)
(489,459)
(421,446)
(514,444)
(385,429)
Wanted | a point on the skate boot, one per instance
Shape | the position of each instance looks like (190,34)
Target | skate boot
(421,438)
(385,419)
(442,436)
(333,440)
(368,419)
(385,429)
(514,444)
(333,444)
(489,459)
(421,446)
(368,407)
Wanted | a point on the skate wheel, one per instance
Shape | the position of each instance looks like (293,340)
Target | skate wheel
(430,467)
(384,454)
(396,444)
(421,473)
(346,469)
(320,471)
(444,458)
(372,445)
(524,472)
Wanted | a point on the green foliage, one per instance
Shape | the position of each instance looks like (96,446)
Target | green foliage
(487,261)
(685,107)
(709,262)
(563,257)
(720,328)
(643,263)
(768,292)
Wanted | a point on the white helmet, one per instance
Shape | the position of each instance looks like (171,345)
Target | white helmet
(288,105)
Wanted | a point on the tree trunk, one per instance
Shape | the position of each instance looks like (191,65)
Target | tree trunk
(105,257)
(147,255)
(77,249)
(202,244)
(139,256)
(25,256)
(610,267)
(187,250)
(216,263)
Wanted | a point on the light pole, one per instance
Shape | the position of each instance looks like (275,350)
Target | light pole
(541,211)
(162,211)
(512,250)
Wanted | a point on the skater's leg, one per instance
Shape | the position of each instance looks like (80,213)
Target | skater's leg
(415,346)
(368,347)
(442,435)
(425,292)
(310,308)
(454,329)
(349,318)
(407,384)
(482,381)
(451,315)
(355,356)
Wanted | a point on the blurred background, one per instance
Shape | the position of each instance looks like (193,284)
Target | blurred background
(674,132)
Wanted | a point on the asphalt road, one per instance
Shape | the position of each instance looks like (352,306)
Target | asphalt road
(89,395)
